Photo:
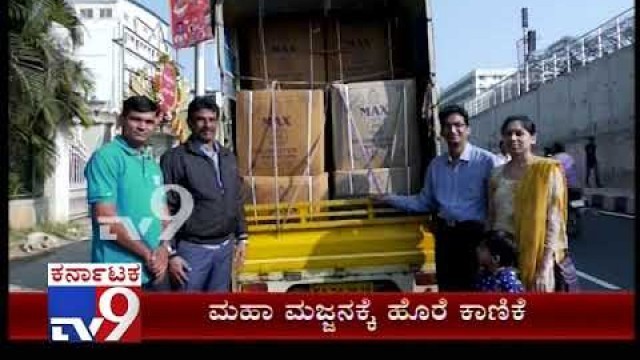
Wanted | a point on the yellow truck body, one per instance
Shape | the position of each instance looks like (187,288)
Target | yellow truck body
(337,245)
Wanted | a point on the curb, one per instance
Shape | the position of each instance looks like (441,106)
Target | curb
(19,288)
(16,253)
(614,203)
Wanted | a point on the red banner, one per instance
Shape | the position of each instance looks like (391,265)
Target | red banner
(167,87)
(190,22)
(244,316)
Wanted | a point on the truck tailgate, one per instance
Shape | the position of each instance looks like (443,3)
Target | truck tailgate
(334,234)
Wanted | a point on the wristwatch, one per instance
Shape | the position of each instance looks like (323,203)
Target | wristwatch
(171,250)
(242,239)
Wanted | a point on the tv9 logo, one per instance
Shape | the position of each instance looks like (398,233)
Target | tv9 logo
(94,302)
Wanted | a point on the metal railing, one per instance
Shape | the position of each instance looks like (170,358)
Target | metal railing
(547,65)
(77,163)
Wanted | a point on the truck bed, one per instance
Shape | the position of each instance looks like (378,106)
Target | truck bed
(335,234)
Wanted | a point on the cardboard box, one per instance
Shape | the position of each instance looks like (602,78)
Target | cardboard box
(374,125)
(292,189)
(362,183)
(293,138)
(360,50)
(293,52)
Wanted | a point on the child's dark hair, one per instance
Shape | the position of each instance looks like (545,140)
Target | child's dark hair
(502,243)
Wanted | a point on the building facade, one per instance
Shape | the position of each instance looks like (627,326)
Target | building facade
(122,41)
(120,38)
(472,84)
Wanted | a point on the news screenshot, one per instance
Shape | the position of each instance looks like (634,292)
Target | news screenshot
(311,174)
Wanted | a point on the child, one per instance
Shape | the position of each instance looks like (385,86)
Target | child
(497,257)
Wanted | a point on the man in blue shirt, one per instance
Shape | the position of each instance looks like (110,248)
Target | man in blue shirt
(455,191)
(122,178)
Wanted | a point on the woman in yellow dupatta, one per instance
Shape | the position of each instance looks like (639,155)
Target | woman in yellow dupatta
(528,197)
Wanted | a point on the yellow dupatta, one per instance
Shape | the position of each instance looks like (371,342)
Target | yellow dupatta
(530,206)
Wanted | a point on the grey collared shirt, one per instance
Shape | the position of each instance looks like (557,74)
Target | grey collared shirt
(455,190)
(214,154)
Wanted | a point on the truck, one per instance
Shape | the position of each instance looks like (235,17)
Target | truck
(353,245)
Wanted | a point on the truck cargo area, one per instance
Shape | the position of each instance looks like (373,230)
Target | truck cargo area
(333,103)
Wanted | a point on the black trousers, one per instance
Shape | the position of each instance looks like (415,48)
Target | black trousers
(593,167)
(456,261)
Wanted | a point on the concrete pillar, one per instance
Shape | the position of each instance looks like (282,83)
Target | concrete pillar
(57,185)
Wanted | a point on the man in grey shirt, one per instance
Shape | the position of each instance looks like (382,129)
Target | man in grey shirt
(455,191)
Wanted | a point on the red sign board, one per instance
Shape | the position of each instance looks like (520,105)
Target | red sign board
(167,87)
(190,22)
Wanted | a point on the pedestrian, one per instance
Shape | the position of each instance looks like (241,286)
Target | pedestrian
(527,197)
(592,161)
(122,178)
(214,234)
(498,258)
(455,190)
(569,168)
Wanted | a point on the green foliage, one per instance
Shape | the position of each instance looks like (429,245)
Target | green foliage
(47,88)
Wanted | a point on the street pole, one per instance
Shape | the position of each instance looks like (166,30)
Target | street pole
(525,26)
(200,82)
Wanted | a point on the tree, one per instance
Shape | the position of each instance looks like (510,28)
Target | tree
(47,88)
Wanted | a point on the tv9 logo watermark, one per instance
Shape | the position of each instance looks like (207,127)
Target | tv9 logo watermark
(158,205)
(94,302)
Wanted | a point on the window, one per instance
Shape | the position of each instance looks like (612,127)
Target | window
(106,13)
(86,13)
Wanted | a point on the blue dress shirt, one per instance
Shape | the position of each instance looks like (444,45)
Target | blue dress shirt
(455,190)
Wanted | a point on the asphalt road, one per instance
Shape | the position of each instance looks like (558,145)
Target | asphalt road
(603,252)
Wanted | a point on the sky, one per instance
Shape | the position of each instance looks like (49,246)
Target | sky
(472,34)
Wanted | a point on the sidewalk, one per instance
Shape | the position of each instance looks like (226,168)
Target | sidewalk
(38,246)
(611,199)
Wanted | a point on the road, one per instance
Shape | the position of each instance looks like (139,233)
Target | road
(603,252)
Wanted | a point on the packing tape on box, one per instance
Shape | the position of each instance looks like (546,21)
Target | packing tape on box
(364,150)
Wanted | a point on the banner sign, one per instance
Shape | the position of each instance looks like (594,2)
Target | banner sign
(190,22)
(350,316)
(167,87)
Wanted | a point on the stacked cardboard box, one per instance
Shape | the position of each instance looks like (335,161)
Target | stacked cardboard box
(375,138)
(287,189)
(280,130)
(362,183)
(308,52)
(360,50)
(280,140)
(289,51)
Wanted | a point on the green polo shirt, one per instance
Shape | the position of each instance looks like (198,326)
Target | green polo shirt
(127,177)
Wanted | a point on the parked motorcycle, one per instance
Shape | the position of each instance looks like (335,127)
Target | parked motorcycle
(577,207)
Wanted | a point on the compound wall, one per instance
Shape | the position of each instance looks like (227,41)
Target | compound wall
(594,100)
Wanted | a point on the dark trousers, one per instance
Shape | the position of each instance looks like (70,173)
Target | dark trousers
(593,167)
(153,285)
(456,261)
(210,268)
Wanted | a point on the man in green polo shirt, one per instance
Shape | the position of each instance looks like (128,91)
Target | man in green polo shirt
(122,177)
